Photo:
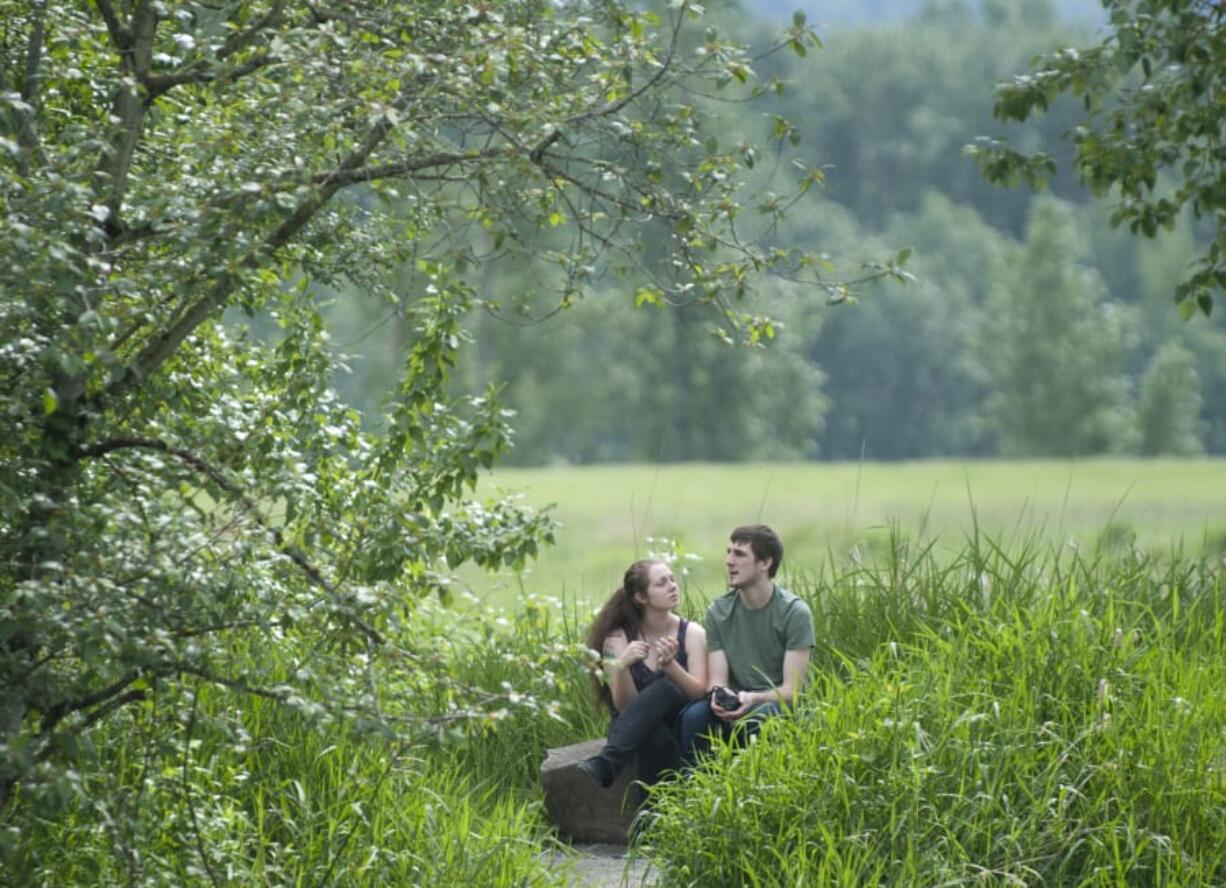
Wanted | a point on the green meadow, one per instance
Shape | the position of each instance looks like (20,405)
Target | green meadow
(610,515)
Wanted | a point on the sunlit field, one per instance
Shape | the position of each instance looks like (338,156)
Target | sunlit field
(611,514)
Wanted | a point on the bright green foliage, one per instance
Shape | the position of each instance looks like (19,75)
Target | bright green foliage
(1152,128)
(1054,349)
(256,794)
(1003,719)
(179,484)
(1168,410)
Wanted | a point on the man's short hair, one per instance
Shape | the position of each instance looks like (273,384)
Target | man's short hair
(763,542)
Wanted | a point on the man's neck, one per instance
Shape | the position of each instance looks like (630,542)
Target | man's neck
(758,595)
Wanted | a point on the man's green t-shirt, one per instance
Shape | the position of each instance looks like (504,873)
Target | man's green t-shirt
(755,640)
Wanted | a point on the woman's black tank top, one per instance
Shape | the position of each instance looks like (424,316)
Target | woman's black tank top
(643,676)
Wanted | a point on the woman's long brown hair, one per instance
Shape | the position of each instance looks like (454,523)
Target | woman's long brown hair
(622,612)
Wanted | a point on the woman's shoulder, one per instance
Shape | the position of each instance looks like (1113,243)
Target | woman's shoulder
(616,637)
(693,629)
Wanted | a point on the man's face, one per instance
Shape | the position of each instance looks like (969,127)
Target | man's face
(743,569)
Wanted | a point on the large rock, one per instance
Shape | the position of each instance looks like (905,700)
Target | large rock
(580,808)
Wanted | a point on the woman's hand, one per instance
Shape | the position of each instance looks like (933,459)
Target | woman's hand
(634,652)
(666,651)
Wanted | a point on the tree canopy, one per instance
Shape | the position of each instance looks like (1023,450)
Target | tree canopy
(179,484)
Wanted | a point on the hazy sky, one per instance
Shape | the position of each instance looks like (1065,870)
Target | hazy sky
(860,12)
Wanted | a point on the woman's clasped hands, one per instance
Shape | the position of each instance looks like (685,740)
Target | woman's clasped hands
(639,649)
(666,651)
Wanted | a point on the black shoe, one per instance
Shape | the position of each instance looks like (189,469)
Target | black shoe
(597,770)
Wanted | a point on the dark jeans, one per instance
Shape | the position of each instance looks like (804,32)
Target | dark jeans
(646,732)
(698,724)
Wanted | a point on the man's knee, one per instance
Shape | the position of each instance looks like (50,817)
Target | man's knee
(765,710)
(692,726)
(695,718)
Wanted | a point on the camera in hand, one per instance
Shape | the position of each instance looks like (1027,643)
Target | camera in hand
(727,699)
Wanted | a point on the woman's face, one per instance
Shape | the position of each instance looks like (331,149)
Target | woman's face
(662,591)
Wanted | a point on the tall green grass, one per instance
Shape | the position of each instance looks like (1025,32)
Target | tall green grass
(301,807)
(1002,719)
(200,786)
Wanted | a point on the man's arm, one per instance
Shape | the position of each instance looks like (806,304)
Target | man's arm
(717,676)
(794,665)
(717,669)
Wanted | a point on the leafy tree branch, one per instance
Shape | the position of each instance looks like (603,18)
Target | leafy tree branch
(1152,131)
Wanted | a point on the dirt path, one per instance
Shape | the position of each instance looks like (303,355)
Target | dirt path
(605,866)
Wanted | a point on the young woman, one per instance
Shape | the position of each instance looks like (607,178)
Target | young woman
(654,664)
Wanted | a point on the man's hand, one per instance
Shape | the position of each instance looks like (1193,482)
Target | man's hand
(731,715)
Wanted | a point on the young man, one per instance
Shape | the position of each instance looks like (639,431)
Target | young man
(759,637)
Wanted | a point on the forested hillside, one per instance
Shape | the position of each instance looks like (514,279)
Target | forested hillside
(1031,327)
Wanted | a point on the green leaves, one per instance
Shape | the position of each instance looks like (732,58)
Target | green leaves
(1001,164)
(933,702)
(649,296)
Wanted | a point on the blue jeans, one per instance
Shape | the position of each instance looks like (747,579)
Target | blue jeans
(699,724)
